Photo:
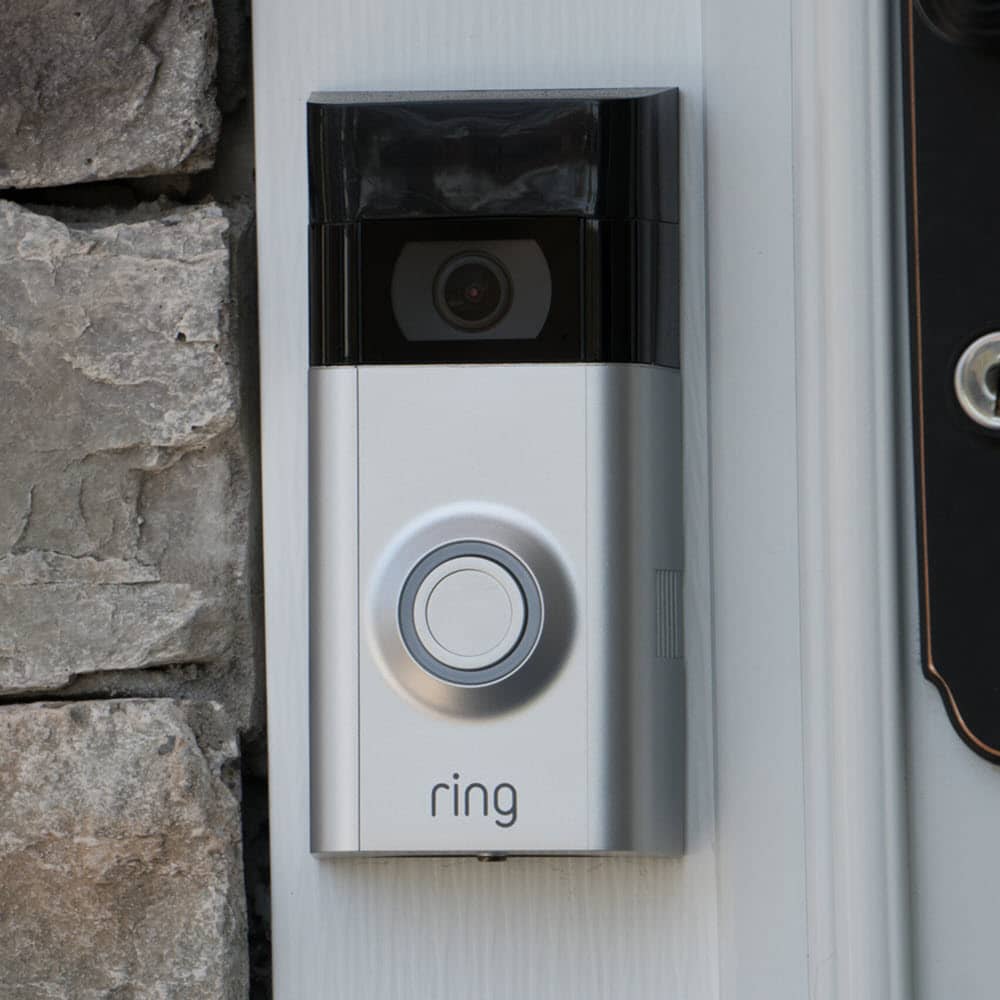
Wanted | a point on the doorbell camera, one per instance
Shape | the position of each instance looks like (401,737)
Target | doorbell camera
(495,547)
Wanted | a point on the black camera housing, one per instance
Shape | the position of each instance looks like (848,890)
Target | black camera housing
(588,178)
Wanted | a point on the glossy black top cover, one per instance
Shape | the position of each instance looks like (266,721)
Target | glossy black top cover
(608,154)
(548,217)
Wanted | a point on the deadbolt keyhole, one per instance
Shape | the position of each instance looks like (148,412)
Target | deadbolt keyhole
(992,380)
(977,381)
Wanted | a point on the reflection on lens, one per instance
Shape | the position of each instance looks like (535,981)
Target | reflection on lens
(472,291)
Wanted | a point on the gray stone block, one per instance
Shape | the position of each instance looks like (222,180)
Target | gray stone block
(105,88)
(124,505)
(120,856)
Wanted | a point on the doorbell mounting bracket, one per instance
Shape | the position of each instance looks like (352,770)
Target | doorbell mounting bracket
(495,543)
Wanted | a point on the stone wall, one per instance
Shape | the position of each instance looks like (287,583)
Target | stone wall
(131,700)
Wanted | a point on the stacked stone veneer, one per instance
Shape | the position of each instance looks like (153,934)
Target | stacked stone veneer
(127,530)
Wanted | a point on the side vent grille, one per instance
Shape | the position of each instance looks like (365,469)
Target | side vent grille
(669,640)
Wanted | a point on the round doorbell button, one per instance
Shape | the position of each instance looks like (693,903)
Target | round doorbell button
(469,612)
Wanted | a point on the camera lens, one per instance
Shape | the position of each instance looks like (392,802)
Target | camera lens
(472,291)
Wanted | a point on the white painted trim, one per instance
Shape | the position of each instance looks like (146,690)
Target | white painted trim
(444,929)
(753,448)
(799,168)
(847,369)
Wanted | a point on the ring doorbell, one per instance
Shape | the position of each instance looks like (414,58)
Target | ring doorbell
(495,473)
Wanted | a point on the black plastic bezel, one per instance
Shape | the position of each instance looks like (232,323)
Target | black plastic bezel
(615,293)
(590,175)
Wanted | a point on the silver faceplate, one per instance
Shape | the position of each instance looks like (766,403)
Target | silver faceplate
(576,470)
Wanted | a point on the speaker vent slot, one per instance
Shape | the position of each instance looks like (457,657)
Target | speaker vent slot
(669,644)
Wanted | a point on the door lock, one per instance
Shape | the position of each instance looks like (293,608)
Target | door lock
(977,381)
